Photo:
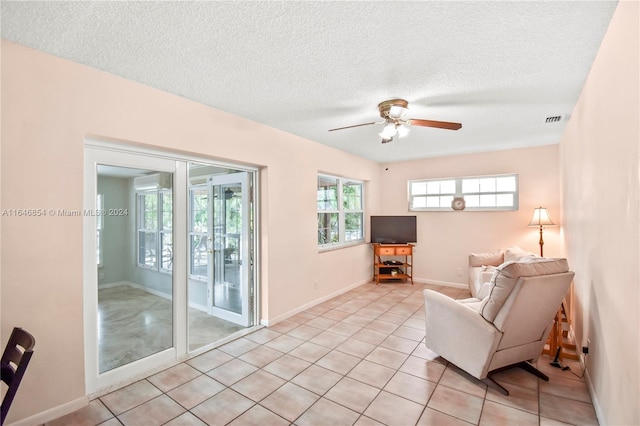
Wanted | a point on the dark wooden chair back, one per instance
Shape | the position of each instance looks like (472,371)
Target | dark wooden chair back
(15,358)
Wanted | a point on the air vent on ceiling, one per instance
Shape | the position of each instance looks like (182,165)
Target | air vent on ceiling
(553,119)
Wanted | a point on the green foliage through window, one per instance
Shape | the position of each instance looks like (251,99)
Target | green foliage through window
(155,225)
(340,210)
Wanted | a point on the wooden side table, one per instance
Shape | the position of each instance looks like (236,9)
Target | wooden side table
(558,334)
(398,270)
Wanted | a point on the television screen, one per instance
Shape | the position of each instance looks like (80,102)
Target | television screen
(393,229)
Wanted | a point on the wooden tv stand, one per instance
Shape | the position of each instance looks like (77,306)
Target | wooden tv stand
(385,271)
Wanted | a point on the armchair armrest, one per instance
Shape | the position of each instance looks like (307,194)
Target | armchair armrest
(459,334)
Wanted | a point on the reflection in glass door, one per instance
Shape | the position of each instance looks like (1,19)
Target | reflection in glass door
(230,254)
(135,264)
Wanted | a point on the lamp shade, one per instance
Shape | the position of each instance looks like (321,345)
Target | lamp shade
(541,218)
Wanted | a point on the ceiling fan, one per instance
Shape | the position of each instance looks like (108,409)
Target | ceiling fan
(393,112)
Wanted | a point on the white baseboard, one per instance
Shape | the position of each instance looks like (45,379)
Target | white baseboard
(112,285)
(442,283)
(53,413)
(275,320)
(199,307)
(582,359)
(594,398)
(151,291)
(315,302)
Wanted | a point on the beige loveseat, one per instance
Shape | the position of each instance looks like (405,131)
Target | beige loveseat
(482,266)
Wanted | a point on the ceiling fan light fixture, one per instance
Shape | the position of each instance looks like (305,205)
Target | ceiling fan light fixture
(402,130)
(388,132)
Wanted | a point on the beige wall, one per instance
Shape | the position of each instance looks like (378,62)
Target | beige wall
(49,105)
(600,198)
(445,239)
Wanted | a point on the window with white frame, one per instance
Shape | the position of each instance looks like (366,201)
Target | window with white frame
(99,228)
(155,230)
(340,207)
(480,193)
(166,230)
(198,228)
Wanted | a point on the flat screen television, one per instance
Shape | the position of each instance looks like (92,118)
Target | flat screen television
(393,229)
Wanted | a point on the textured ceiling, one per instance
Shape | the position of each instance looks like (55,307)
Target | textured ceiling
(500,68)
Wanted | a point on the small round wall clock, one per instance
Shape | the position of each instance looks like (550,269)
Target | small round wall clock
(458,203)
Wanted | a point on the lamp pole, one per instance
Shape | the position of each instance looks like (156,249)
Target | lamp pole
(541,241)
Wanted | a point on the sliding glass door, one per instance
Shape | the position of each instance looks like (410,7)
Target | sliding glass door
(229,277)
(132,309)
(221,244)
(168,265)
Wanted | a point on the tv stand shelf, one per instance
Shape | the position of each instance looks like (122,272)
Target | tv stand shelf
(392,269)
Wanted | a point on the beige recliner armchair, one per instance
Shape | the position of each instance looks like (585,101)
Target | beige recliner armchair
(508,327)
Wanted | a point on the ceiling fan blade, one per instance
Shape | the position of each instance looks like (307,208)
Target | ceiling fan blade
(355,125)
(432,123)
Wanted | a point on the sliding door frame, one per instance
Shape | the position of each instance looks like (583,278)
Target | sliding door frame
(102,151)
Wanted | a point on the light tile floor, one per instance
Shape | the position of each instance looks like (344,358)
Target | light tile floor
(357,359)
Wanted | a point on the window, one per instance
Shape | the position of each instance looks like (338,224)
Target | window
(481,193)
(198,227)
(155,230)
(340,211)
(99,228)
(166,230)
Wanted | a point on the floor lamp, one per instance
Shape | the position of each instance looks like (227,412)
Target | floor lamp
(541,219)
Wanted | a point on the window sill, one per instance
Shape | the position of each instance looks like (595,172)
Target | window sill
(160,271)
(334,247)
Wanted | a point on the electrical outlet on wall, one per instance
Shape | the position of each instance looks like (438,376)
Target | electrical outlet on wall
(459,272)
(586,350)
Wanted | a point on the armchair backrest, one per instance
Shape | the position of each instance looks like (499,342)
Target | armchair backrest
(506,276)
(528,312)
(524,298)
